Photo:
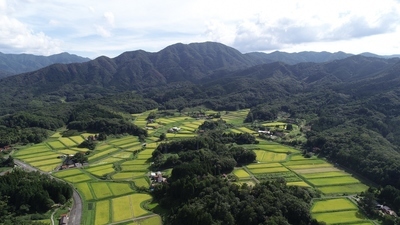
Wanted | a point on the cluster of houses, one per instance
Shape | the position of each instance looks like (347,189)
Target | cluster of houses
(386,210)
(156,178)
(5,148)
(174,129)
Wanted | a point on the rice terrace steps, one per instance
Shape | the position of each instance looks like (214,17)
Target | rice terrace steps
(111,185)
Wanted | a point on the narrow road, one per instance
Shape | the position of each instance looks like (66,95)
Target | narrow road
(75,214)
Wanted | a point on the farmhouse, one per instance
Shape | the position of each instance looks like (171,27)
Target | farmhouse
(63,219)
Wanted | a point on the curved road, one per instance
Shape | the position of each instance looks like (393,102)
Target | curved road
(75,214)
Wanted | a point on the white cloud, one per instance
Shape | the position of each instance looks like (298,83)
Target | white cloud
(17,37)
(109,16)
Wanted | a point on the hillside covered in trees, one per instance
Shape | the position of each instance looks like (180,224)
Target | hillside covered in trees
(351,105)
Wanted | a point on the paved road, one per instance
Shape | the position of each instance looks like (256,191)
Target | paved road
(75,214)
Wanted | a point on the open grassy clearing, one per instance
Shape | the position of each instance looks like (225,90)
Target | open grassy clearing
(344,189)
(102,212)
(127,175)
(101,190)
(66,173)
(120,188)
(78,178)
(56,145)
(241,174)
(340,217)
(84,190)
(263,165)
(325,174)
(298,183)
(122,208)
(269,170)
(141,182)
(326,205)
(333,181)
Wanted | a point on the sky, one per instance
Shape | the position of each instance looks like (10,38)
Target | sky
(93,28)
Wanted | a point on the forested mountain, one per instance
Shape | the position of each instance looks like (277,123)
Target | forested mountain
(351,104)
(11,64)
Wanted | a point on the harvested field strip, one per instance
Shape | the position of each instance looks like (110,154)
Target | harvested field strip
(137,200)
(77,139)
(77,178)
(340,204)
(241,173)
(67,172)
(123,155)
(333,181)
(67,142)
(84,190)
(325,174)
(122,208)
(102,212)
(101,190)
(269,170)
(56,144)
(344,189)
(120,188)
(103,153)
(340,217)
(306,162)
(45,162)
(141,182)
(127,175)
(134,167)
(322,165)
(298,183)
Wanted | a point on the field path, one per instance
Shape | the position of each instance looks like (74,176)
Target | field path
(135,219)
(251,175)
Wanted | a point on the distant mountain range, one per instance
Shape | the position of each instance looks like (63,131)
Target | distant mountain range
(11,64)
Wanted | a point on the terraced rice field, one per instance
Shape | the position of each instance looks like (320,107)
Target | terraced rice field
(32,150)
(102,215)
(141,182)
(338,204)
(78,178)
(56,145)
(122,208)
(265,156)
(77,139)
(241,174)
(298,183)
(67,142)
(344,189)
(101,170)
(85,190)
(120,188)
(67,172)
(127,175)
(342,217)
(269,170)
(101,190)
